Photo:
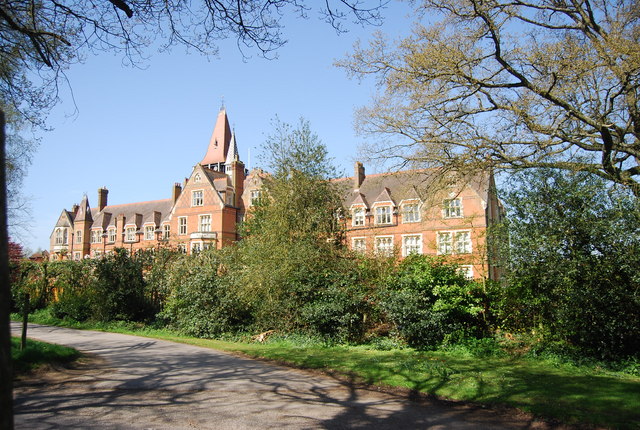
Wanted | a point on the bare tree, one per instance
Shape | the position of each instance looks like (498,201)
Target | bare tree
(510,84)
(39,39)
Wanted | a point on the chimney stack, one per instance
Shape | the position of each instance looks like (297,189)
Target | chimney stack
(74,208)
(102,197)
(358,175)
(177,189)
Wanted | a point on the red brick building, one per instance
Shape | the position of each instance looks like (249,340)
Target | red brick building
(419,211)
(396,213)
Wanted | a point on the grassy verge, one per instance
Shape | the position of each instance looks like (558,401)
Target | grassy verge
(37,354)
(547,388)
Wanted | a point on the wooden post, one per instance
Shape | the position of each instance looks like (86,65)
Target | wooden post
(25,320)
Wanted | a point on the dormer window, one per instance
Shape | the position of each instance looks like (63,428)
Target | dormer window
(383,215)
(358,217)
(130,234)
(452,208)
(197,198)
(148,232)
(112,235)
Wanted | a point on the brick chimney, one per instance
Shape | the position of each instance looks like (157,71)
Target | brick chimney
(358,175)
(177,189)
(74,208)
(102,197)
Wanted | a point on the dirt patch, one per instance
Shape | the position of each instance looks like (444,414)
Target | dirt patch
(87,367)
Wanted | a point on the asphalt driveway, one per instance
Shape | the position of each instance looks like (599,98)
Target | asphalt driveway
(142,383)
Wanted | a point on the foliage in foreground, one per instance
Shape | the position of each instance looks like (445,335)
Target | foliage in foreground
(573,257)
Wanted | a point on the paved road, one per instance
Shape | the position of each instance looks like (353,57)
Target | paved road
(152,384)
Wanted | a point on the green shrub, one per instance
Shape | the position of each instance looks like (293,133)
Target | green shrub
(73,281)
(428,301)
(199,301)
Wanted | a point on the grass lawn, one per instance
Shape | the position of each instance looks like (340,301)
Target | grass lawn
(549,389)
(37,354)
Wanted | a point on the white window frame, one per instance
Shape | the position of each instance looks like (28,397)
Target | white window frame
(197,177)
(413,249)
(181,247)
(200,223)
(112,235)
(387,249)
(195,247)
(358,216)
(466,270)
(355,241)
(77,255)
(414,214)
(459,246)
(62,236)
(454,242)
(149,229)
(182,226)
(130,234)
(96,236)
(197,198)
(254,197)
(384,215)
(79,236)
(450,210)
(166,231)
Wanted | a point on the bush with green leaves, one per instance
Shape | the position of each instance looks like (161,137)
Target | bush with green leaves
(200,298)
(429,301)
(73,282)
(120,289)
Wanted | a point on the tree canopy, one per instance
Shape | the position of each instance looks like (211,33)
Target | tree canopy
(511,84)
(573,253)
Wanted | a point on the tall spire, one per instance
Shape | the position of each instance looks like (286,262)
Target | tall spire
(219,143)
(84,211)
(232,153)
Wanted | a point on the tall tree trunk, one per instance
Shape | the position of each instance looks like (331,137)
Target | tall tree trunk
(6,374)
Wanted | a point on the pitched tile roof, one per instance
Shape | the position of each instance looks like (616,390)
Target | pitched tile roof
(405,185)
(138,213)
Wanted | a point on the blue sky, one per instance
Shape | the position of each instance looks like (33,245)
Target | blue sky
(137,131)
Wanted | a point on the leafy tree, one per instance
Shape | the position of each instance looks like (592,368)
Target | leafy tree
(574,252)
(511,84)
(290,238)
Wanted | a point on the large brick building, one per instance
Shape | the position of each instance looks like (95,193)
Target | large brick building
(395,213)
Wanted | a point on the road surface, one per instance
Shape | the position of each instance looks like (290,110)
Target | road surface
(141,383)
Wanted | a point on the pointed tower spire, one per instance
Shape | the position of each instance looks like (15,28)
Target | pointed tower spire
(219,143)
(232,152)
(84,211)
